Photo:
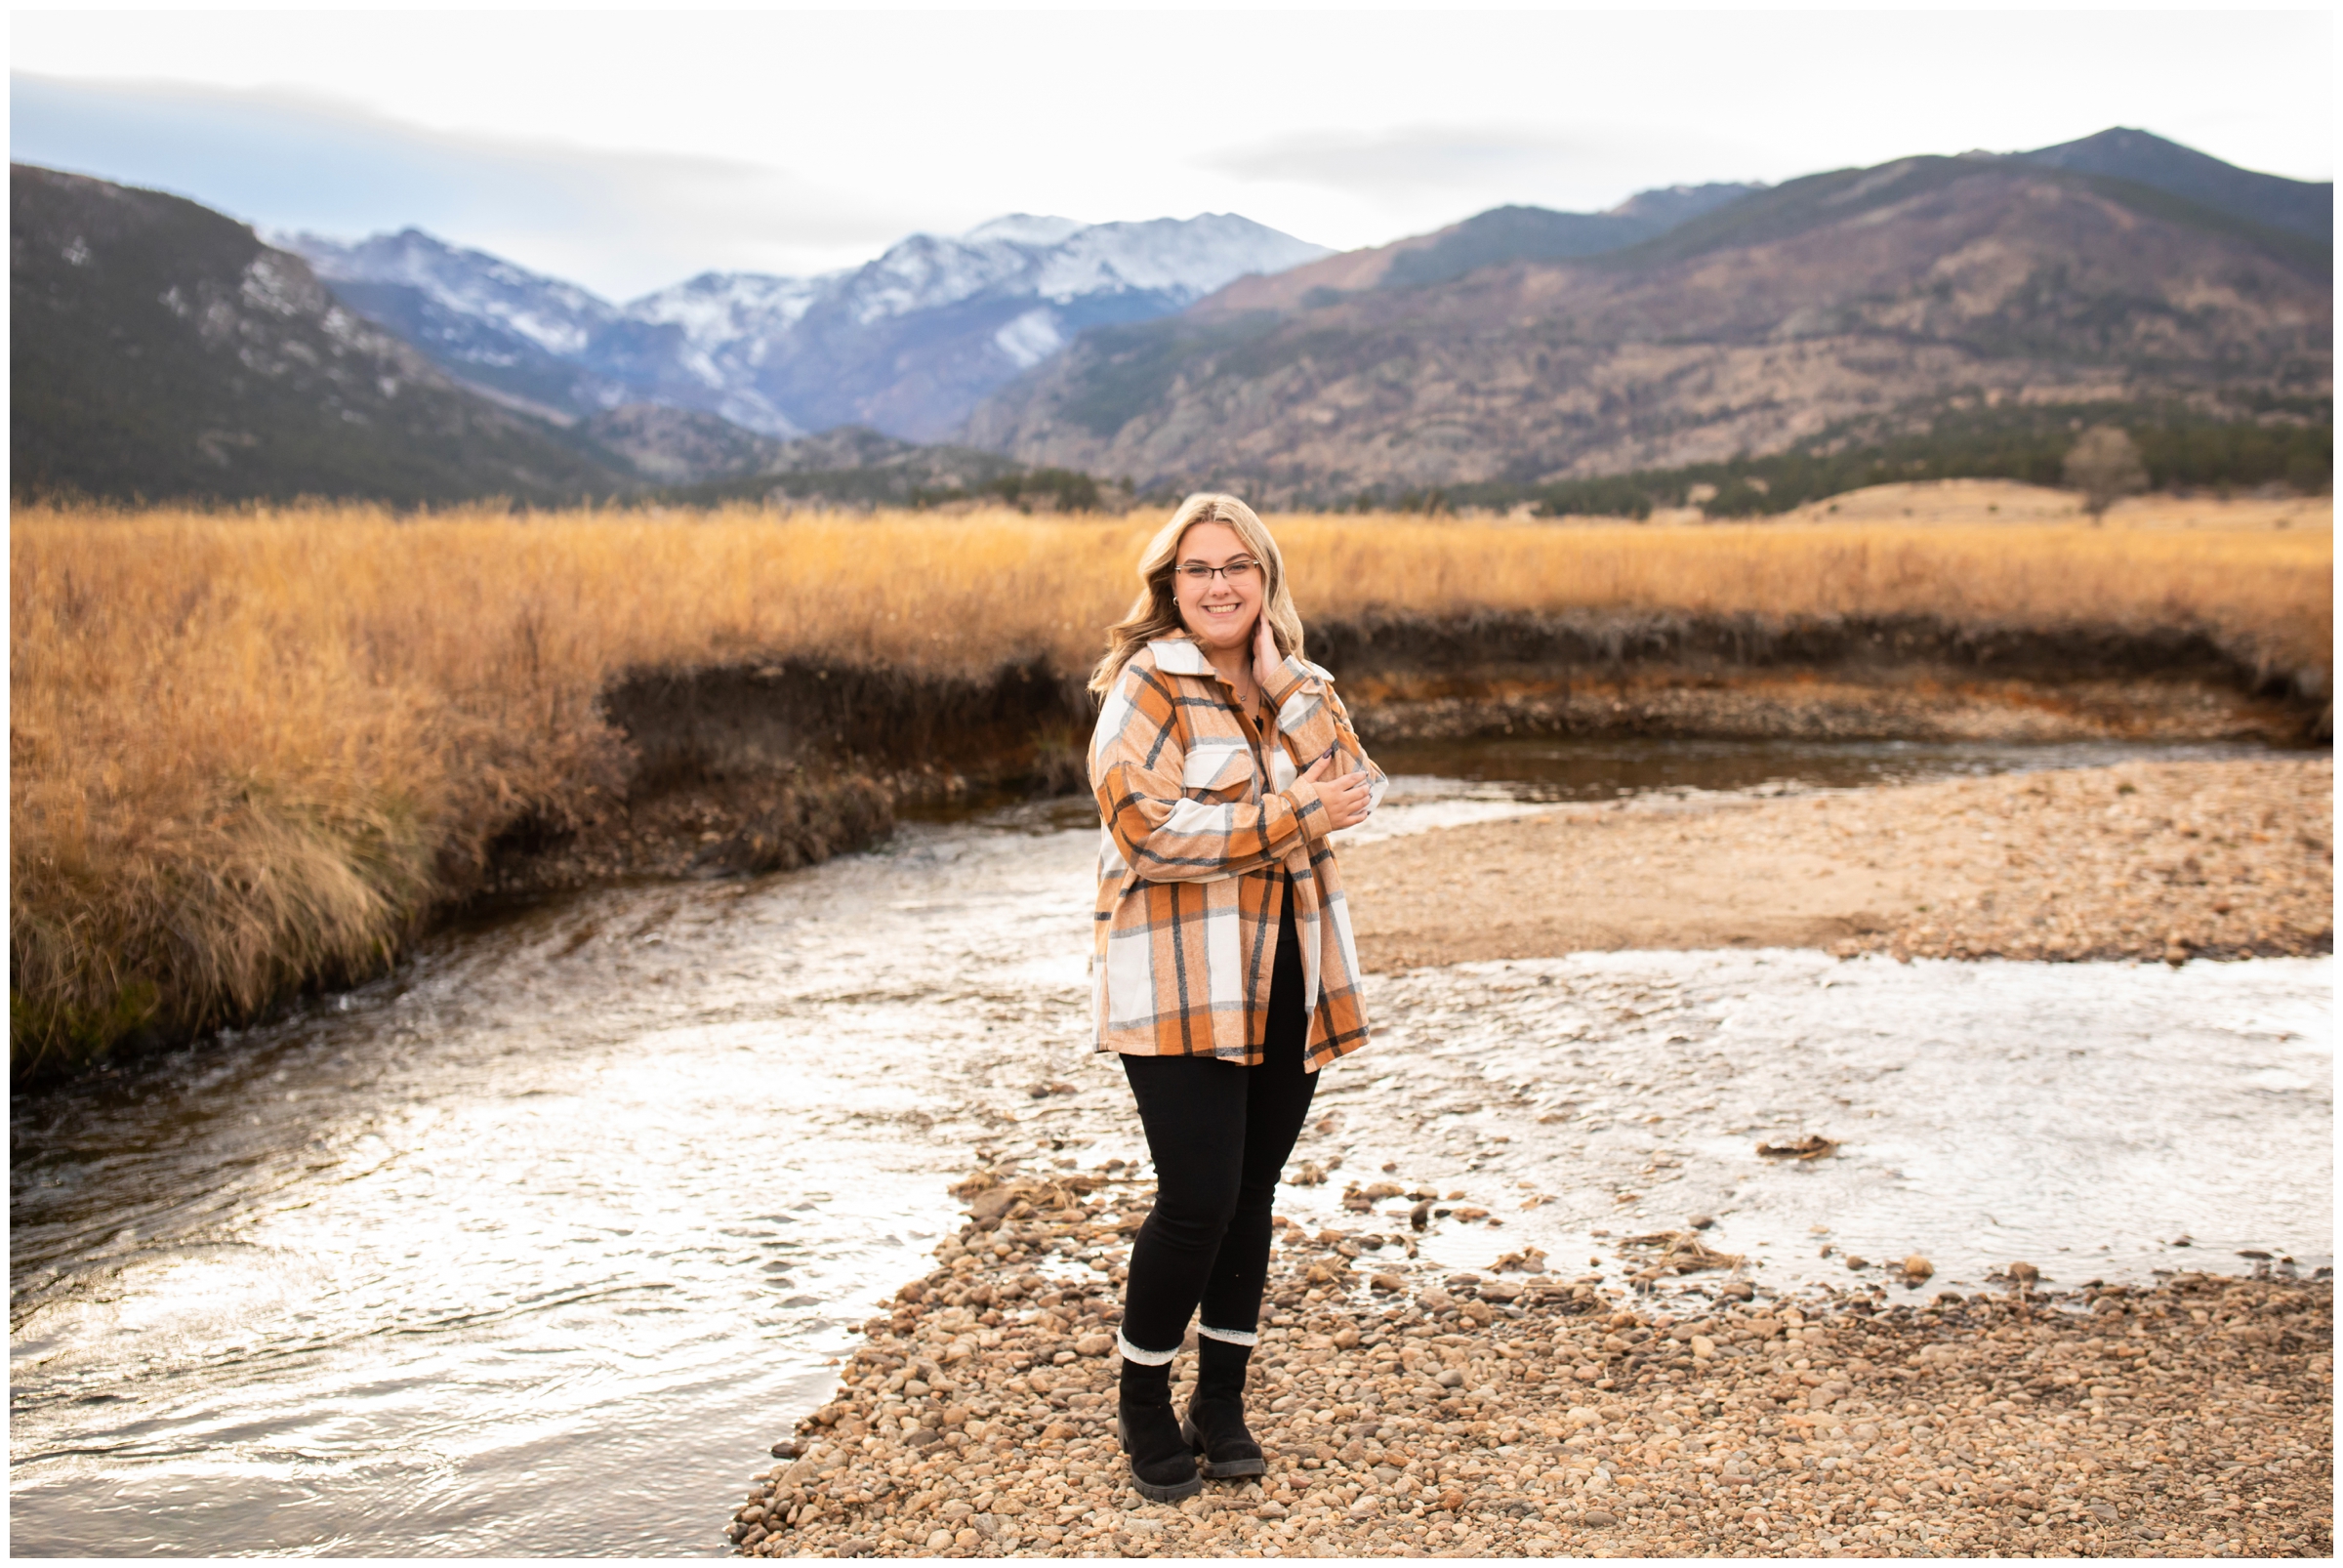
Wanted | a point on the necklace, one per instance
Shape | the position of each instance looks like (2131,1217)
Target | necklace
(1248,697)
(1240,686)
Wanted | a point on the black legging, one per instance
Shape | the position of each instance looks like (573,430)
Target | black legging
(1219,1133)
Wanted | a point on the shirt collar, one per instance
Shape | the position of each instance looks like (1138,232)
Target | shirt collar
(1179,655)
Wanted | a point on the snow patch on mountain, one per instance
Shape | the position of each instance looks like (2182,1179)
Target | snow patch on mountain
(1031,338)
(560,318)
(719,308)
(927,270)
(1184,258)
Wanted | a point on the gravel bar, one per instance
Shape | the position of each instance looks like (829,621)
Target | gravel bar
(2164,862)
(1410,1412)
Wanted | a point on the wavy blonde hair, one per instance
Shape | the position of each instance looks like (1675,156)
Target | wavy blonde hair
(1155,613)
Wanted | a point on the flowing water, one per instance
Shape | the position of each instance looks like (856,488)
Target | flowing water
(535,1246)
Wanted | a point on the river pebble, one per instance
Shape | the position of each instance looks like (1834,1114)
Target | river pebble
(2172,860)
(1409,1411)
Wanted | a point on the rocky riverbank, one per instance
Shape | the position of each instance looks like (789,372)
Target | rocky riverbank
(1532,1411)
(2145,860)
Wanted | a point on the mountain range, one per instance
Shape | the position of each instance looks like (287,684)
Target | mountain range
(1844,306)
(160,349)
(906,344)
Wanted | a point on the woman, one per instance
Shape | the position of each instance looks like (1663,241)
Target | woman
(1224,972)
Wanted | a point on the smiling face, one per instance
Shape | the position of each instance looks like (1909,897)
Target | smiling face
(1219,611)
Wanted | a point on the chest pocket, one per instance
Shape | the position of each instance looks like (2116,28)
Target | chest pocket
(1217,770)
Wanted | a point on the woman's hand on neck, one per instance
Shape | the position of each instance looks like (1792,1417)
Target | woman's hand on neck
(1267,660)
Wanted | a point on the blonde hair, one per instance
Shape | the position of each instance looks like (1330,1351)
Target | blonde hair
(1155,613)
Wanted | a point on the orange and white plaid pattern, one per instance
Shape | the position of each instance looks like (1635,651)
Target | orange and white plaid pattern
(1203,817)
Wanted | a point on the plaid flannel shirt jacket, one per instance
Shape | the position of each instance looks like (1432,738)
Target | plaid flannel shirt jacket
(1203,818)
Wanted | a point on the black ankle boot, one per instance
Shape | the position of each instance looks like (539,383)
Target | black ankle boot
(1163,1467)
(1215,1422)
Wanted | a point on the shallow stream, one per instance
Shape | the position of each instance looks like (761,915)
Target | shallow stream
(532,1248)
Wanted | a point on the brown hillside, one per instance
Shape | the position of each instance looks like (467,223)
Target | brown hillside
(1824,302)
(1345,272)
(159,348)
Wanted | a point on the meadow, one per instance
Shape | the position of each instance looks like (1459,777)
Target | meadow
(251,752)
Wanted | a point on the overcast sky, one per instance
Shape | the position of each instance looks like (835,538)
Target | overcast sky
(628,150)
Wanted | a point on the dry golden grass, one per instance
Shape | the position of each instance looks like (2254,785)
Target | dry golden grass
(249,752)
(2259,592)
(2006,503)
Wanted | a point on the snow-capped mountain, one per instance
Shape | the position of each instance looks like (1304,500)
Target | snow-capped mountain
(509,331)
(906,342)
(558,317)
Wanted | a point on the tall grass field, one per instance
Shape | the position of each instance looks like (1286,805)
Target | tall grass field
(251,752)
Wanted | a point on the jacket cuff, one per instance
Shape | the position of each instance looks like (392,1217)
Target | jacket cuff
(1309,813)
(1290,676)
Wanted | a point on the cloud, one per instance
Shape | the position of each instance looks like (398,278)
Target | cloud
(1408,160)
(620,222)
(1427,174)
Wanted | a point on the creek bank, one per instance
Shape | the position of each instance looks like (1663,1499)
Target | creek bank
(772,765)
(1495,643)
(1411,1412)
(1883,677)
(1910,705)
(769,764)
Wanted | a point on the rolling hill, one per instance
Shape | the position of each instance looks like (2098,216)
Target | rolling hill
(2298,206)
(1486,239)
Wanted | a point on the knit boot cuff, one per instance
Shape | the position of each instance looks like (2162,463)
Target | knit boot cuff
(1244,1337)
(1145,1358)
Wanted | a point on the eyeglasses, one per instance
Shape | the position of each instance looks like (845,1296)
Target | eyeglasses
(1236,571)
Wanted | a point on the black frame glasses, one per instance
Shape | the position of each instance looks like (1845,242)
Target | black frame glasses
(1199,574)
